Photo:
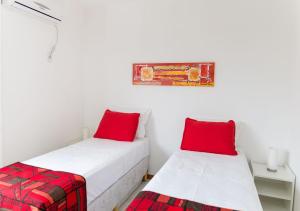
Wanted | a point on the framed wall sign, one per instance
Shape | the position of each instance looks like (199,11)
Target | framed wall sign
(174,74)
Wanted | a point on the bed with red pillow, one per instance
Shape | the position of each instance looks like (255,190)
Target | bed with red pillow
(113,161)
(206,174)
(111,165)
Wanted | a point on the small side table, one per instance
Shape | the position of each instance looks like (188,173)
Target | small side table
(275,189)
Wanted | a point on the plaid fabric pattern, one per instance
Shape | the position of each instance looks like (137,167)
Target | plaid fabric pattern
(149,201)
(29,188)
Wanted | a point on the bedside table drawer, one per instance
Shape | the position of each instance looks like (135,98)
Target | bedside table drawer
(271,204)
(274,188)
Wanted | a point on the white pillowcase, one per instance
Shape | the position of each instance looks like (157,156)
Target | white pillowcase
(144,118)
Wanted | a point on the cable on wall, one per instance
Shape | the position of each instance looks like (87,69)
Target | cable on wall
(52,51)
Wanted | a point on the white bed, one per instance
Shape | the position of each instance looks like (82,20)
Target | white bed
(217,180)
(103,163)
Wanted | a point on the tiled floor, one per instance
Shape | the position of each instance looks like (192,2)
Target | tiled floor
(125,205)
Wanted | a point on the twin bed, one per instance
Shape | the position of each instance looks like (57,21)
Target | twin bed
(111,170)
(206,174)
(201,182)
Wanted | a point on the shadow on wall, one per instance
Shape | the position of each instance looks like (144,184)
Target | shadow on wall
(160,154)
(248,142)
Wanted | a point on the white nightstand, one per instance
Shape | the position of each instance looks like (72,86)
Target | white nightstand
(275,190)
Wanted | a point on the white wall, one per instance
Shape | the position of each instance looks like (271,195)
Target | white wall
(42,106)
(252,43)
(295,114)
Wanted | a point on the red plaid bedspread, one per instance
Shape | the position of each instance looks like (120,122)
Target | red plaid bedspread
(149,201)
(29,188)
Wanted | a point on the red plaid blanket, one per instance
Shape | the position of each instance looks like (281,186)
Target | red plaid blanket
(29,188)
(149,201)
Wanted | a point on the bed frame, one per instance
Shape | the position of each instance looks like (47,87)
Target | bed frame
(120,191)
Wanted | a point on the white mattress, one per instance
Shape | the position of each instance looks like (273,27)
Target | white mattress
(102,162)
(217,180)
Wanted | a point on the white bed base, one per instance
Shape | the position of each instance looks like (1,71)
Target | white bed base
(119,192)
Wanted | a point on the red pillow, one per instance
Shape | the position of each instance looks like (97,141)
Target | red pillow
(211,137)
(118,126)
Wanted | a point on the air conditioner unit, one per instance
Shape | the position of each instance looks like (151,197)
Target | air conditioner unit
(48,9)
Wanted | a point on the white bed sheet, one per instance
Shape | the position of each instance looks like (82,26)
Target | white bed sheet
(102,162)
(217,180)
